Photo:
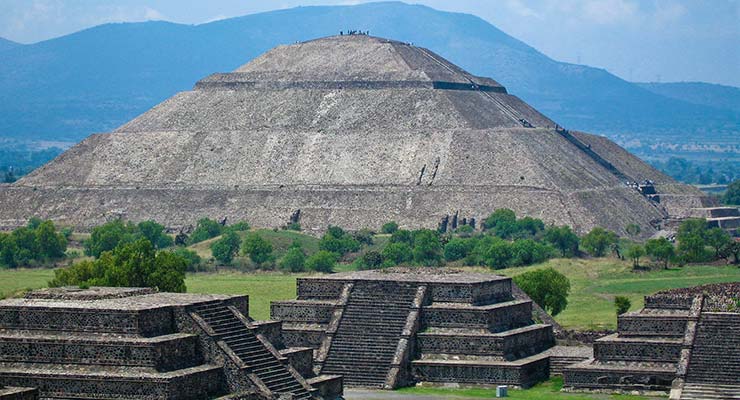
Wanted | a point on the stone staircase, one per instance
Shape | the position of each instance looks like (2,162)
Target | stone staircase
(266,365)
(364,346)
(714,363)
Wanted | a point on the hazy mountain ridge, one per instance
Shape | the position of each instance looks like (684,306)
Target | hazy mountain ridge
(6,44)
(97,79)
(707,94)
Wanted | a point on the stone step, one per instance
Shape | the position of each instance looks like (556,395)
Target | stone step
(710,392)
(81,382)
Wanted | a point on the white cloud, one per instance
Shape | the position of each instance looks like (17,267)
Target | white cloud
(609,11)
(518,7)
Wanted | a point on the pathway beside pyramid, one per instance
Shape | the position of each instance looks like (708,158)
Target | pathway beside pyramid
(120,343)
(351,131)
(388,329)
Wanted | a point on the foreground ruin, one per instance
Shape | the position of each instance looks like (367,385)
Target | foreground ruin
(118,343)
(390,329)
(685,341)
(352,131)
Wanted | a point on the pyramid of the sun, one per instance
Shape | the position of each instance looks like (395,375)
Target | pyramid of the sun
(352,131)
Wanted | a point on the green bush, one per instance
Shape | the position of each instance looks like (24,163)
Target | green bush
(499,254)
(294,260)
(193,261)
(37,242)
(336,240)
(389,227)
(622,304)
(204,230)
(135,264)
(529,251)
(226,248)
(322,261)
(427,247)
(563,239)
(372,259)
(598,241)
(402,236)
(546,287)
(258,249)
(397,253)
(634,253)
(660,250)
(457,249)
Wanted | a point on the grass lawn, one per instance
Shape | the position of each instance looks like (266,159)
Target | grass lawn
(595,283)
(544,391)
(13,281)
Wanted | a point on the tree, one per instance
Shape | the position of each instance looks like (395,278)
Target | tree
(633,229)
(108,236)
(155,233)
(336,240)
(397,253)
(717,238)
(372,259)
(732,195)
(563,239)
(546,287)
(50,244)
(427,247)
(258,249)
(364,237)
(691,239)
(528,252)
(502,222)
(204,230)
(294,260)
(389,227)
(456,249)
(322,261)
(598,240)
(193,262)
(530,226)
(732,249)
(634,253)
(622,304)
(135,264)
(498,255)
(661,250)
(226,248)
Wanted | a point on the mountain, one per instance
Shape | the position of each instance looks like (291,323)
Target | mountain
(706,94)
(96,79)
(6,44)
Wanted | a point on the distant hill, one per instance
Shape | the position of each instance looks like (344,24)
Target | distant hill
(706,94)
(97,79)
(6,44)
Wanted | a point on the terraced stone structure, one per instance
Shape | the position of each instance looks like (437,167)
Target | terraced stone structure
(388,329)
(684,341)
(127,343)
(351,131)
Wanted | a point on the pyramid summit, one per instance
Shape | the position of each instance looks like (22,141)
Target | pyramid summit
(348,130)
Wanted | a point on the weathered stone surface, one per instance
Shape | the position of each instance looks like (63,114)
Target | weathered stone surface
(353,131)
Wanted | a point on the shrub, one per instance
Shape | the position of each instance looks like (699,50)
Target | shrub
(322,261)
(372,259)
(226,248)
(691,239)
(634,253)
(193,261)
(402,236)
(598,241)
(39,241)
(397,253)
(293,226)
(457,249)
(633,229)
(660,249)
(546,287)
(204,230)
(389,227)
(155,233)
(563,239)
(241,226)
(427,247)
(135,264)
(258,249)
(498,255)
(502,222)
(294,260)
(528,252)
(622,304)
(336,240)
(717,238)
(108,236)
(732,195)
(364,237)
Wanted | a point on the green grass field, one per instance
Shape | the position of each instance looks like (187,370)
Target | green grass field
(594,283)
(549,390)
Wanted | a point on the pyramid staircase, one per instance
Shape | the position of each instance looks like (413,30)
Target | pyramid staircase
(226,325)
(714,364)
(364,346)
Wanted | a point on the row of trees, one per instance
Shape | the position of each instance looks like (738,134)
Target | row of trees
(38,242)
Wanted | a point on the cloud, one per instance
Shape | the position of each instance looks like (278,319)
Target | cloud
(609,11)
(518,7)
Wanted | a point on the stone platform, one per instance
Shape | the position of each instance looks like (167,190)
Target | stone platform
(394,328)
(130,343)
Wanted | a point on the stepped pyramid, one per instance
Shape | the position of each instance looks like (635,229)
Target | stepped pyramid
(134,343)
(349,130)
(387,329)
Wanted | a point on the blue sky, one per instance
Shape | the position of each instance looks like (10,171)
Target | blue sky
(639,40)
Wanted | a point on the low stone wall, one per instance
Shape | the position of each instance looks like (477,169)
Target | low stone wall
(294,336)
(610,349)
(302,311)
(496,318)
(150,322)
(512,346)
(625,379)
(165,354)
(476,372)
(636,324)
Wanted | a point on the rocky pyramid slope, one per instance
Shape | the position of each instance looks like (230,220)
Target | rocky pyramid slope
(351,130)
